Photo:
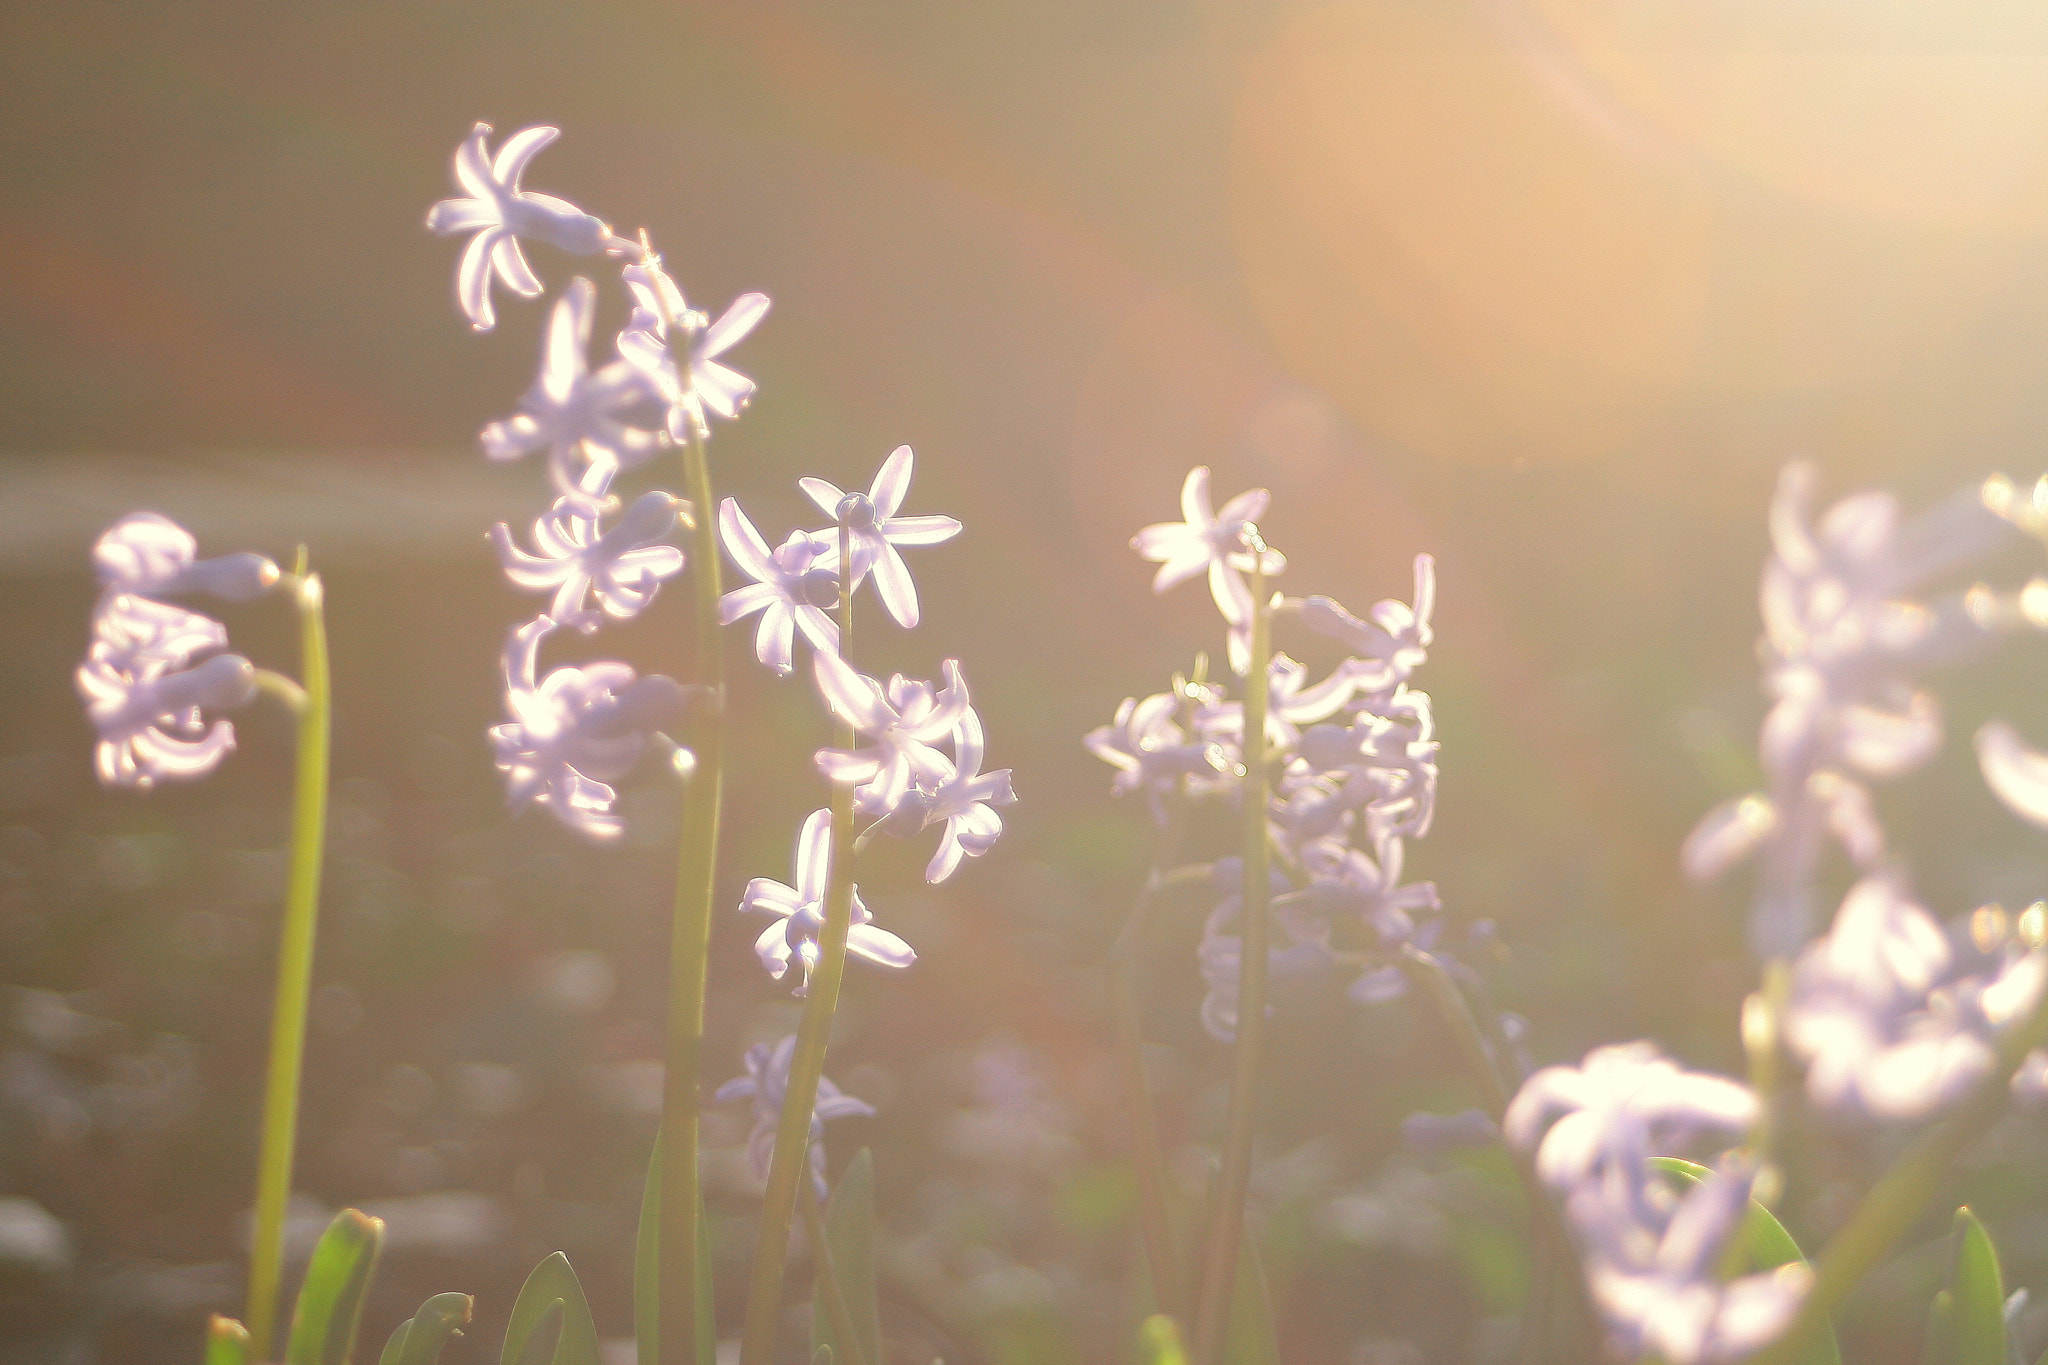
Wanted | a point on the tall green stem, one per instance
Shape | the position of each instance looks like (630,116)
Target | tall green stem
(690,941)
(787,1167)
(294,964)
(1226,1218)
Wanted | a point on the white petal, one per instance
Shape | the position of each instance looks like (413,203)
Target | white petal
(892,483)
(814,856)
(517,150)
(1726,835)
(879,946)
(919,530)
(733,325)
(826,495)
(473,166)
(512,267)
(473,279)
(893,582)
(451,216)
(774,642)
(745,601)
(744,543)
(855,699)
(723,390)
(1194,498)
(2016,774)
(568,336)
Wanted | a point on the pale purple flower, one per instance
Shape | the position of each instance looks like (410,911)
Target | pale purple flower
(1886,1026)
(127,628)
(965,800)
(1396,638)
(572,412)
(1205,539)
(794,588)
(1151,752)
(767,1084)
(663,325)
(875,531)
(800,911)
(901,722)
(147,554)
(148,714)
(574,731)
(1348,881)
(500,213)
(621,568)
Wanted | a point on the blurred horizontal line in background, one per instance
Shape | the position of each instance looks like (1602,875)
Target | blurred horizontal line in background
(343,505)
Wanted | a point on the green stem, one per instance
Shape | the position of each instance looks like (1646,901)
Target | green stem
(787,1166)
(690,940)
(1896,1201)
(1226,1216)
(829,1288)
(294,964)
(1147,1155)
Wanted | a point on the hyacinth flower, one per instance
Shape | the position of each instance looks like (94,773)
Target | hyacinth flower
(795,586)
(1843,644)
(620,569)
(800,913)
(766,1084)
(2016,774)
(1205,540)
(874,531)
(148,698)
(965,802)
(902,721)
(574,731)
(499,212)
(662,325)
(575,414)
(1152,753)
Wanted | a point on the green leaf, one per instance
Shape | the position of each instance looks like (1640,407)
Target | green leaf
(647,1270)
(1978,1333)
(394,1349)
(427,1331)
(227,1342)
(1938,1347)
(551,1280)
(1248,1338)
(546,1337)
(1763,1244)
(850,1233)
(330,1303)
(1159,1342)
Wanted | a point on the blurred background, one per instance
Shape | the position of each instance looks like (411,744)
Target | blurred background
(1547,288)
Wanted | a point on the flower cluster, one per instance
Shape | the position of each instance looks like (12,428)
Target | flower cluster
(1843,644)
(1652,1259)
(575,730)
(143,690)
(1353,754)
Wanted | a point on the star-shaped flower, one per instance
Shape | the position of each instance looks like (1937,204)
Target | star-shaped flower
(794,587)
(1214,541)
(500,213)
(901,724)
(966,801)
(663,325)
(622,568)
(800,911)
(766,1084)
(875,531)
(574,731)
(574,413)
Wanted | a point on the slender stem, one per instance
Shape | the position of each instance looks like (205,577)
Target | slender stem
(1896,1201)
(690,942)
(294,967)
(1226,1216)
(787,1166)
(1147,1155)
(829,1288)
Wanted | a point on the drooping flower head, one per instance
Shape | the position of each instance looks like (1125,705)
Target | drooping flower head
(500,213)
(148,711)
(578,416)
(875,531)
(1152,753)
(574,731)
(620,568)
(965,801)
(767,1084)
(800,912)
(677,348)
(795,587)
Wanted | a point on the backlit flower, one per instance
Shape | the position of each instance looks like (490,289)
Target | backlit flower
(767,1084)
(800,911)
(662,325)
(874,531)
(621,568)
(147,709)
(794,587)
(901,722)
(500,213)
(965,801)
(1205,539)
(1151,752)
(148,554)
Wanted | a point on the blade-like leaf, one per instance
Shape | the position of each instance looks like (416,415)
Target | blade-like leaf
(552,1279)
(439,1318)
(1763,1244)
(330,1303)
(850,1233)
(1979,1289)
(394,1349)
(647,1270)
(1159,1342)
(546,1337)
(227,1342)
(1938,1348)
(1249,1337)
